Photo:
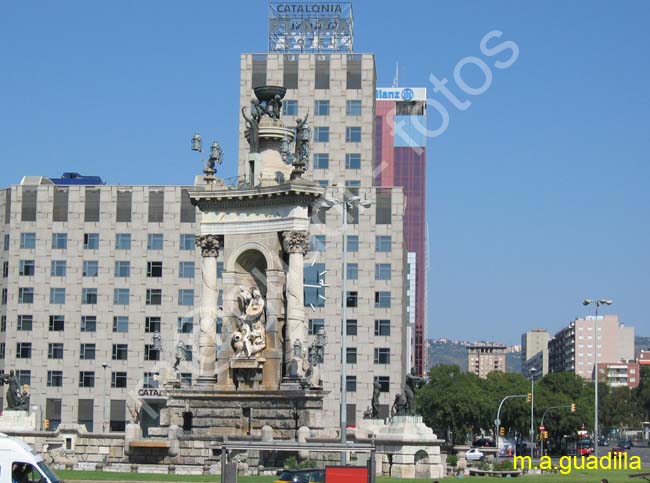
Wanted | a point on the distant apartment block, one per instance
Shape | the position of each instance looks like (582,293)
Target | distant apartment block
(572,348)
(644,357)
(534,352)
(619,374)
(486,357)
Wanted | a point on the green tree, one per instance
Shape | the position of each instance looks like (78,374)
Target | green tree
(642,393)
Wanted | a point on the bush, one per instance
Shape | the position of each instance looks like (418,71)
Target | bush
(452,460)
(503,466)
(291,463)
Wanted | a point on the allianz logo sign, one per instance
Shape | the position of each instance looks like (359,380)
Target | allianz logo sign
(405,94)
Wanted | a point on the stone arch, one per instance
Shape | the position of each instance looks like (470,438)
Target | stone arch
(421,457)
(272,262)
(422,466)
(250,267)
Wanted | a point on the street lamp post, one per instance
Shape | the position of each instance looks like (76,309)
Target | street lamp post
(597,303)
(532,410)
(107,401)
(347,202)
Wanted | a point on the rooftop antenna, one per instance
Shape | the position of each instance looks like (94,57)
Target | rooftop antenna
(396,78)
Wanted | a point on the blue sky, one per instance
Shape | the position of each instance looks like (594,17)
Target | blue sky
(537,192)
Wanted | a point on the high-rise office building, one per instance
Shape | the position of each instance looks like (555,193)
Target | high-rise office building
(572,348)
(534,352)
(400,160)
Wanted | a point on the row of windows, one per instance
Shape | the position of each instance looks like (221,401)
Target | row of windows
(321,108)
(322,134)
(384,383)
(58,268)
(155,241)
(89,296)
(322,161)
(153,324)
(321,71)
(87,352)
(382,326)
(92,205)
(381,355)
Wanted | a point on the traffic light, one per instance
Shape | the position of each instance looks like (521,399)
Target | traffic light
(544,434)
(46,424)
(530,397)
(573,407)
(502,431)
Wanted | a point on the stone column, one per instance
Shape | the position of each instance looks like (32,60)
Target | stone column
(296,243)
(210,246)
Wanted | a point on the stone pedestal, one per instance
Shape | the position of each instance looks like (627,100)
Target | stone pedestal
(17,421)
(406,447)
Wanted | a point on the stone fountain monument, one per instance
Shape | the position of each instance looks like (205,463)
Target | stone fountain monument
(258,371)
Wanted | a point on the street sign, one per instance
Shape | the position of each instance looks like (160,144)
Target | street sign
(542,428)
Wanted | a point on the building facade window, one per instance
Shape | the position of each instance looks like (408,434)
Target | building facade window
(154,269)
(382,271)
(152,325)
(321,134)
(89,296)
(353,108)
(187,242)
(317,243)
(120,352)
(90,268)
(58,268)
(351,355)
(258,71)
(186,269)
(185,325)
(155,241)
(290,71)
(122,241)
(315,325)
(55,350)
(186,296)
(91,205)
(382,327)
(156,206)
(353,72)
(87,352)
(24,323)
(322,72)
(353,243)
(5,244)
(352,161)
(60,204)
(321,161)
(314,280)
(351,327)
(353,134)
(353,271)
(121,323)
(54,378)
(383,243)
(150,353)
(26,268)
(91,241)
(383,206)
(352,299)
(154,296)
(123,206)
(29,203)
(384,383)
(382,300)
(57,295)
(121,296)
(23,350)
(27,241)
(86,379)
(321,108)
(149,380)
(118,379)
(56,323)
(290,108)
(122,268)
(188,210)
(351,383)
(382,355)
(88,323)
(59,241)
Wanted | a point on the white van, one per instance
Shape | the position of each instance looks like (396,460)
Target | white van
(19,463)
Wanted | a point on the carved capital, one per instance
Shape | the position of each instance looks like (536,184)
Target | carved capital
(296,242)
(209,245)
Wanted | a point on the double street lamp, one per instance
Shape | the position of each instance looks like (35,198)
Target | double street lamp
(348,203)
(532,372)
(597,304)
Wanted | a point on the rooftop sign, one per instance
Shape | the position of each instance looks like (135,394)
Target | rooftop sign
(401,94)
(296,27)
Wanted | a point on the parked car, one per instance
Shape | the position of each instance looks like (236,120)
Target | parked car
(625,443)
(474,454)
(603,441)
(301,476)
(483,442)
(617,451)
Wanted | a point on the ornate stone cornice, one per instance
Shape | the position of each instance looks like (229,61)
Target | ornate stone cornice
(209,245)
(296,242)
